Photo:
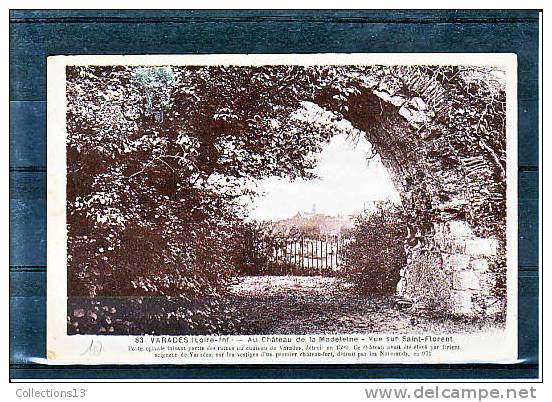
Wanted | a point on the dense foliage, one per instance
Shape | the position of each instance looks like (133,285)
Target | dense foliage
(375,255)
(155,199)
(161,161)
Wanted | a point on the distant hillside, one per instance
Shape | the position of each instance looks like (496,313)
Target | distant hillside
(313,223)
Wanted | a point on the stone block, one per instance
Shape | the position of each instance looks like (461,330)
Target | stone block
(389,84)
(395,100)
(461,302)
(460,229)
(452,246)
(481,246)
(418,103)
(487,282)
(466,279)
(413,116)
(480,265)
(456,262)
(401,287)
(494,307)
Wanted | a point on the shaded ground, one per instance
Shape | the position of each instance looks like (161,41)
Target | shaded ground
(316,304)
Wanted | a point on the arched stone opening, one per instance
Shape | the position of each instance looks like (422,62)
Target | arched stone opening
(450,173)
(440,132)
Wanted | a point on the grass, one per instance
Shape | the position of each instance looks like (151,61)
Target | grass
(327,305)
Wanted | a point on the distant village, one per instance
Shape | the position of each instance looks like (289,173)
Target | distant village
(314,224)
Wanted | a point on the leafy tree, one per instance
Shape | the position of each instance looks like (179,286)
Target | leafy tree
(375,255)
(154,204)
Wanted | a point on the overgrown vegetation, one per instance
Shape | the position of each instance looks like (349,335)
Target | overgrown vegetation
(249,255)
(375,255)
(155,188)
(159,158)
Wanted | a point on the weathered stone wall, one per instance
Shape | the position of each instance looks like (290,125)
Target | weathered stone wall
(454,272)
(440,132)
(452,186)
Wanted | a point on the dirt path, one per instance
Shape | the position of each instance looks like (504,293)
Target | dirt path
(316,304)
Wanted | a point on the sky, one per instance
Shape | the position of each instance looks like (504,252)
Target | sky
(348,183)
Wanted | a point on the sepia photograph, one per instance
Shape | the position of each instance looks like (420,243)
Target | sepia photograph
(260,198)
(333,198)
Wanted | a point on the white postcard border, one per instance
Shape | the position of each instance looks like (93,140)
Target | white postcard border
(490,347)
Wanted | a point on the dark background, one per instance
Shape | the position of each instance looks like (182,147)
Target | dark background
(36,34)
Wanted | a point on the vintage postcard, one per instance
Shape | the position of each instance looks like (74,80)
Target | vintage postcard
(313,208)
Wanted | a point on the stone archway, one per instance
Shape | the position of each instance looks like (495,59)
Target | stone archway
(441,135)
